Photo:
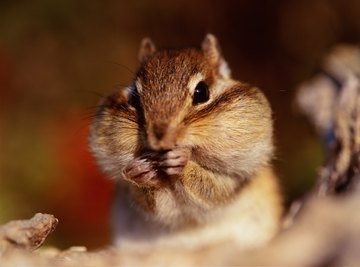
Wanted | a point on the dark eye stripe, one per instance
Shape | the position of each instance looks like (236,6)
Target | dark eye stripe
(223,101)
(134,97)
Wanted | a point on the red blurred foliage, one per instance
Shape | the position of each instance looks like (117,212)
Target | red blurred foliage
(80,196)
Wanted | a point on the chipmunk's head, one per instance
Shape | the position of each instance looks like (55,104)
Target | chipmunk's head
(172,84)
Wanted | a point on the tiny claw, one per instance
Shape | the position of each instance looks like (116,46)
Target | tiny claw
(140,172)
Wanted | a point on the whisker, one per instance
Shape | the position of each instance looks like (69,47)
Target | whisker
(93,108)
(119,86)
(123,66)
(109,119)
(96,93)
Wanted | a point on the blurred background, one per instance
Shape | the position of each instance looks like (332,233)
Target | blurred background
(57,58)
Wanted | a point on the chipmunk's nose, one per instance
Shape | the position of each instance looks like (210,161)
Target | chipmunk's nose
(159,131)
(161,137)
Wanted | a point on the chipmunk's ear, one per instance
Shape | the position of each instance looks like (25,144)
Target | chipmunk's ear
(147,48)
(211,49)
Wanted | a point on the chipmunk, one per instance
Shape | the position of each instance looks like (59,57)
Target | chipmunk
(191,150)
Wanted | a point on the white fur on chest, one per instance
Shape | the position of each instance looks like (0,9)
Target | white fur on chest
(248,221)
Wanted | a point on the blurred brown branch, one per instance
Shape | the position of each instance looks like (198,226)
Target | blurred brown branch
(341,171)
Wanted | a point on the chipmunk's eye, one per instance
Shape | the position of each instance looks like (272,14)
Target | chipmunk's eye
(134,97)
(201,93)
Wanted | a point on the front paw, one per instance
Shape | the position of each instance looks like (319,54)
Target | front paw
(141,172)
(174,161)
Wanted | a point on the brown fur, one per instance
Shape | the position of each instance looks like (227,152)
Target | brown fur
(221,148)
